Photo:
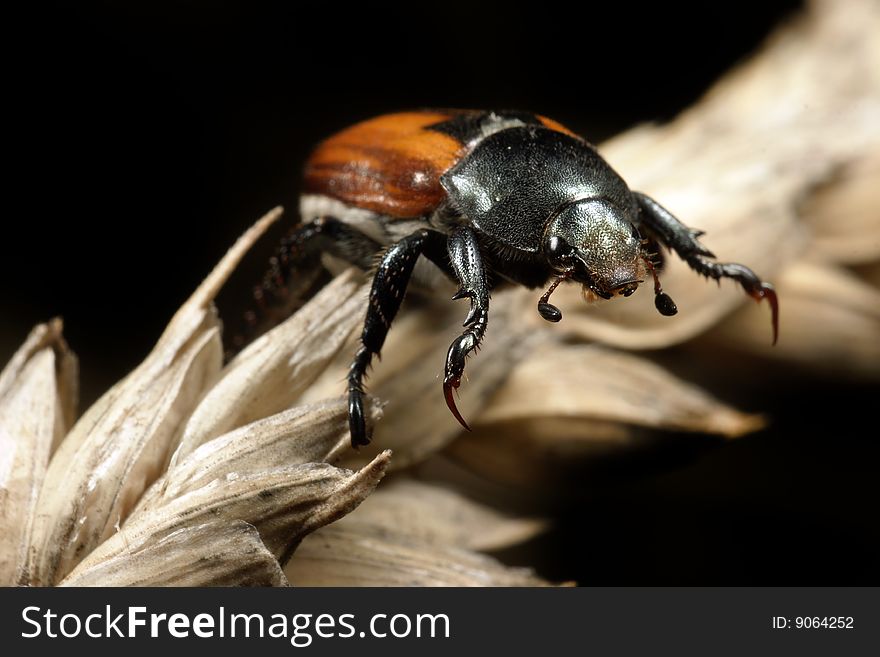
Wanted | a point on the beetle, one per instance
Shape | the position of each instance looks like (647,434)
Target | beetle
(489,197)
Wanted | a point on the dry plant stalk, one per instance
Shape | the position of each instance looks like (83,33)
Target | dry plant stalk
(190,472)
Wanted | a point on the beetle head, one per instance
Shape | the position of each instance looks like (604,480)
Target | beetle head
(592,242)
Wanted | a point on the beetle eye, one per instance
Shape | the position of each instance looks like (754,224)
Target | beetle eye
(559,252)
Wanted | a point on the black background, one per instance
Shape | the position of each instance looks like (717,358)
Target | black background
(141,138)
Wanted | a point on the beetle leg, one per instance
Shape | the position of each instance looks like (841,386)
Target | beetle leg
(684,241)
(296,266)
(300,250)
(389,286)
(669,229)
(464,254)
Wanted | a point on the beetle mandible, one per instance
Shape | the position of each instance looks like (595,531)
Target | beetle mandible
(487,197)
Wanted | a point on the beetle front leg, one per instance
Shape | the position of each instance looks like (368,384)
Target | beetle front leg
(684,241)
(464,255)
(389,286)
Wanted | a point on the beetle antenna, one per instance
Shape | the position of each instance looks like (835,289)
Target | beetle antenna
(546,309)
(662,301)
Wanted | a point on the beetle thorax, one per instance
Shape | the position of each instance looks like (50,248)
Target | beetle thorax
(515,179)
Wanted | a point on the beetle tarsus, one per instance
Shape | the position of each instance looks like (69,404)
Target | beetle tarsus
(464,256)
(748,280)
(683,241)
(356,422)
(455,359)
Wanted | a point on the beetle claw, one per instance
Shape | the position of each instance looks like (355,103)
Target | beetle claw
(450,384)
(768,292)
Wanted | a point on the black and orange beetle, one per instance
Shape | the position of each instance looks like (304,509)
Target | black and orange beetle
(487,197)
